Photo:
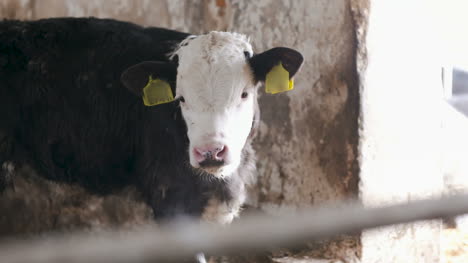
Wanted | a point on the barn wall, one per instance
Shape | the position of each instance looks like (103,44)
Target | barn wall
(307,145)
(451,20)
(401,126)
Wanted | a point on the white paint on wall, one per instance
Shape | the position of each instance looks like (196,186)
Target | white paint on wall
(400,139)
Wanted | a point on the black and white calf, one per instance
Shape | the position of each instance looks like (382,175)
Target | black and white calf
(105,104)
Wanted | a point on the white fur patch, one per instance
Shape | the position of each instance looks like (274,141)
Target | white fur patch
(200,257)
(213,74)
(220,212)
(8,167)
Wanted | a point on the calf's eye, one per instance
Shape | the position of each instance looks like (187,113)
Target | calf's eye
(244,95)
(182,99)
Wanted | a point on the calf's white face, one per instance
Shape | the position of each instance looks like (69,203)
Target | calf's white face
(217,94)
(217,77)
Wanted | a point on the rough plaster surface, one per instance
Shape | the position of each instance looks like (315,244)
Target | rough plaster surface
(401,128)
(307,145)
(307,141)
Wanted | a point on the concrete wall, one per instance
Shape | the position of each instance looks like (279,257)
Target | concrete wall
(451,22)
(307,145)
(412,142)
(401,127)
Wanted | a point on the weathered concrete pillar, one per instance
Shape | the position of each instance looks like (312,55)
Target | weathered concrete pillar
(308,137)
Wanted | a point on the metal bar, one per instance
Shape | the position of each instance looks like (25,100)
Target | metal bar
(253,233)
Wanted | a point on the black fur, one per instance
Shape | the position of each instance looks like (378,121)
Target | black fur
(64,111)
(136,77)
(262,63)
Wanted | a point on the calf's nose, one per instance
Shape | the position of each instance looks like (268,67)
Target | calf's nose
(215,153)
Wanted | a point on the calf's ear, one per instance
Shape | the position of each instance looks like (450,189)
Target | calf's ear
(153,81)
(276,67)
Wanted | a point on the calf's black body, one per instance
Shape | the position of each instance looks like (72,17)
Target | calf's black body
(64,111)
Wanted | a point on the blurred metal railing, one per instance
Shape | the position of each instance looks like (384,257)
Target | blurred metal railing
(253,233)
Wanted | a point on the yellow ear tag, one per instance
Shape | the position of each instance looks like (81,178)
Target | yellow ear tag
(157,92)
(277,80)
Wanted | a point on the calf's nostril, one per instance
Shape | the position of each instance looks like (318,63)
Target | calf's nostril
(221,152)
(217,154)
(199,155)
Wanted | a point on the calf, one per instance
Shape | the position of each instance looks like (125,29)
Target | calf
(94,102)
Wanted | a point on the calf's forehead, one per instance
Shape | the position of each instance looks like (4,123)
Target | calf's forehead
(217,85)
(213,67)
(214,47)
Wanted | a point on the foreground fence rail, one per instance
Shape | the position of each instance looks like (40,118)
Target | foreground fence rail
(253,233)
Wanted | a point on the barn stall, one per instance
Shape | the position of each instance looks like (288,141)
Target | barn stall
(338,136)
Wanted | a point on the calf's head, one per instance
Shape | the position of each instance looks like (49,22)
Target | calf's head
(217,77)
